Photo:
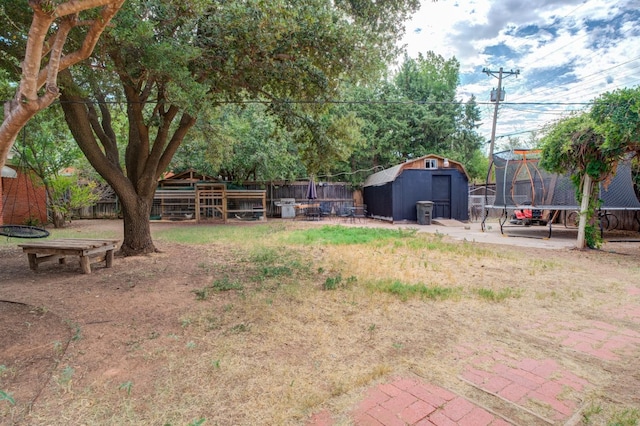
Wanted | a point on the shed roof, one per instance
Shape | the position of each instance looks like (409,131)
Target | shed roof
(390,174)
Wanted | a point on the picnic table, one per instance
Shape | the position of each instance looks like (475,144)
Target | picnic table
(58,249)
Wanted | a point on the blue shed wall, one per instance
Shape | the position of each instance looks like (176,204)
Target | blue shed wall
(378,200)
(398,199)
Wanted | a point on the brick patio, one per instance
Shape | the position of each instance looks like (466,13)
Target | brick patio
(543,387)
(412,402)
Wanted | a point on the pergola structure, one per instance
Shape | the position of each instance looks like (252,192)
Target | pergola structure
(215,201)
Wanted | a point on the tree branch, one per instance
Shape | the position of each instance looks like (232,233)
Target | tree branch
(110,8)
(27,101)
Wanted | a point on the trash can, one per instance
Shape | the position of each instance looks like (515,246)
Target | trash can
(424,209)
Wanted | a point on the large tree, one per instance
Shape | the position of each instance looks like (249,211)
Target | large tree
(175,60)
(240,143)
(44,52)
(412,113)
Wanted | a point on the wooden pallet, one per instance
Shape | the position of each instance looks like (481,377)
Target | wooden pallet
(59,249)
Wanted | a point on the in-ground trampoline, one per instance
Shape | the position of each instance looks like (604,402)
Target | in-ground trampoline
(522,186)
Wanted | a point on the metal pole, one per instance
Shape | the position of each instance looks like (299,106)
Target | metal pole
(498,98)
(495,114)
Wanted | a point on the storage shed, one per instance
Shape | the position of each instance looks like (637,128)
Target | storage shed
(392,194)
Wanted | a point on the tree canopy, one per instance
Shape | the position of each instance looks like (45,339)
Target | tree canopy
(170,62)
(594,141)
(412,113)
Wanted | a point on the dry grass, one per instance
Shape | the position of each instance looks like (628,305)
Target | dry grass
(280,347)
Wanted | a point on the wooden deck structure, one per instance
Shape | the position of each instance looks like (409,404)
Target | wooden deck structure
(86,249)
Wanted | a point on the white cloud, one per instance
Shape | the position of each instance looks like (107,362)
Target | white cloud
(567,51)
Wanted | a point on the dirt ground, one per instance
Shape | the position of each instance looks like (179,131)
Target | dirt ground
(65,337)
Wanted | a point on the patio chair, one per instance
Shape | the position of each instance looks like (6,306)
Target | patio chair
(346,213)
(359,212)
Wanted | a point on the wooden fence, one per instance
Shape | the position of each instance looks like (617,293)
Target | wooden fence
(331,196)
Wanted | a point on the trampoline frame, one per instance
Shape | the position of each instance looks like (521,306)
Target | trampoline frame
(553,209)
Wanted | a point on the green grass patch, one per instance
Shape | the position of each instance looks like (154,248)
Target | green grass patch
(267,255)
(500,295)
(222,284)
(205,234)
(275,271)
(275,263)
(225,284)
(332,234)
(334,283)
(5,396)
(434,242)
(406,291)
(626,417)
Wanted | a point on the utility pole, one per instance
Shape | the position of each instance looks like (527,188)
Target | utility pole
(499,96)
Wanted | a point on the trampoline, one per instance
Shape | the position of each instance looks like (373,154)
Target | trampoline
(521,185)
(23,231)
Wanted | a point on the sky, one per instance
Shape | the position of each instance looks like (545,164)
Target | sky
(567,53)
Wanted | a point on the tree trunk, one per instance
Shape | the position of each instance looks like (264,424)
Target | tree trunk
(137,228)
(58,219)
(584,206)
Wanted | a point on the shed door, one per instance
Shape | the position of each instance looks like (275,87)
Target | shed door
(441,193)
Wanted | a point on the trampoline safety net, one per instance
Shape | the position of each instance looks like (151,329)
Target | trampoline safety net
(520,181)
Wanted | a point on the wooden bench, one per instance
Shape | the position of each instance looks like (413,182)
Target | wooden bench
(49,250)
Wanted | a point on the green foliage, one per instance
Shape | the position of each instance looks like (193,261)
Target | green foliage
(219,285)
(7,88)
(241,143)
(67,193)
(626,417)
(406,291)
(5,396)
(617,116)
(203,235)
(590,411)
(334,283)
(45,145)
(126,386)
(273,271)
(225,284)
(498,296)
(347,235)
(594,142)
(411,114)
(240,328)
(32,221)
(571,144)
(592,236)
(66,376)
(589,144)
(46,148)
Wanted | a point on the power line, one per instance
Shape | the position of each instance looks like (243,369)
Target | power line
(343,102)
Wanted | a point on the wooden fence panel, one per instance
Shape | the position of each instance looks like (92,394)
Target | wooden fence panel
(332,195)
